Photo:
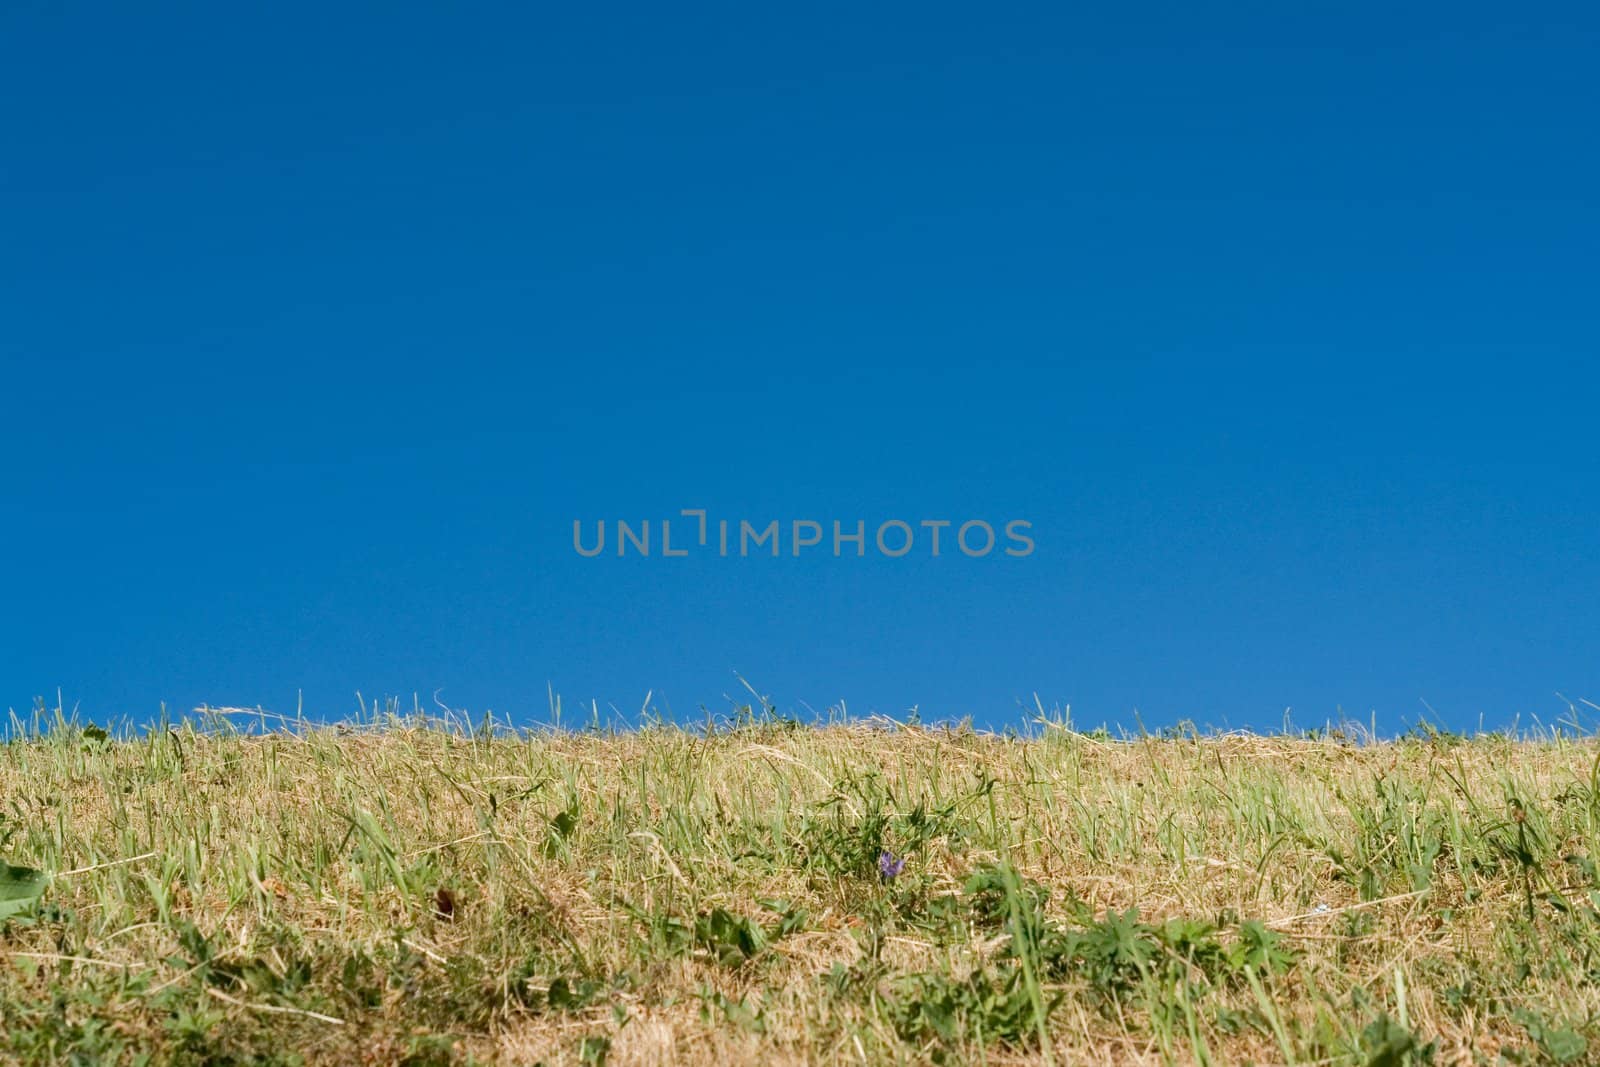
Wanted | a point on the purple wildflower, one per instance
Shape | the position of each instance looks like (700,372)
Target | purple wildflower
(889,866)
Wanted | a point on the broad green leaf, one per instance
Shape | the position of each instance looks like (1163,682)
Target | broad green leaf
(20,888)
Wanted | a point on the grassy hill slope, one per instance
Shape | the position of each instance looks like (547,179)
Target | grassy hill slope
(796,895)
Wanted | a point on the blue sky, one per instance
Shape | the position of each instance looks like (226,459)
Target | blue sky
(1279,326)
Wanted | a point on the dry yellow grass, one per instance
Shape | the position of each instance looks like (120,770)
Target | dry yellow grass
(405,894)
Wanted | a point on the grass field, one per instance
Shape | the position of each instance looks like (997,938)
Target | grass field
(768,892)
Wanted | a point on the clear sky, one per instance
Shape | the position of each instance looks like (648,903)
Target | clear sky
(322,325)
